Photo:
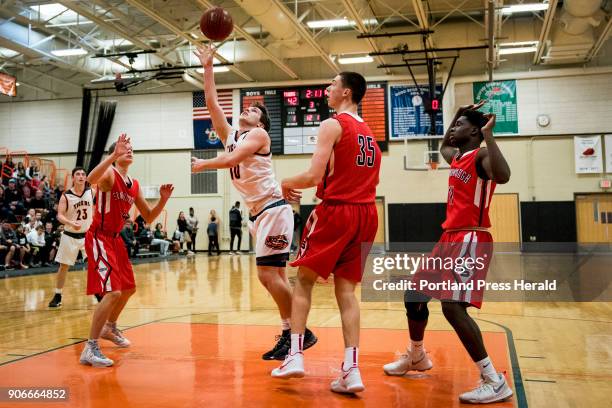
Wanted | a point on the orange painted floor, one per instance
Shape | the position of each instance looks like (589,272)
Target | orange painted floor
(189,365)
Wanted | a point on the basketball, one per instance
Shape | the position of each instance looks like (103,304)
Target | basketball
(216,24)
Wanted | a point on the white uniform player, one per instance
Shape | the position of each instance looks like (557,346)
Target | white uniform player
(249,159)
(75,211)
(79,208)
(271,218)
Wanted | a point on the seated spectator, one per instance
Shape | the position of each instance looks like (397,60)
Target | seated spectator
(130,241)
(57,193)
(7,173)
(22,240)
(38,202)
(3,208)
(20,171)
(45,186)
(35,182)
(159,238)
(27,196)
(13,198)
(32,224)
(52,240)
(10,239)
(160,234)
(32,171)
(38,245)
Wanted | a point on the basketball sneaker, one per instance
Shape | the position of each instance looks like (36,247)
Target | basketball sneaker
(292,367)
(92,355)
(488,391)
(406,363)
(309,340)
(56,301)
(112,333)
(349,381)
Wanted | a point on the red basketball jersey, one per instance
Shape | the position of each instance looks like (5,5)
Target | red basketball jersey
(113,207)
(469,196)
(352,171)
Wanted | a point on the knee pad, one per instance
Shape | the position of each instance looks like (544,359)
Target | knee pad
(416,305)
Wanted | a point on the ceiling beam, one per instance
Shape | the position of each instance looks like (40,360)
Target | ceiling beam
(350,7)
(421,14)
(306,36)
(544,32)
(41,73)
(605,33)
(205,4)
(151,13)
(37,88)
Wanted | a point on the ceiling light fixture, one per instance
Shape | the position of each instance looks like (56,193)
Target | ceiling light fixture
(69,52)
(524,8)
(355,60)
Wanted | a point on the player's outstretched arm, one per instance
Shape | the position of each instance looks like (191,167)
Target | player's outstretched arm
(448,151)
(491,159)
(330,132)
(102,174)
(151,213)
(61,214)
(219,121)
(253,143)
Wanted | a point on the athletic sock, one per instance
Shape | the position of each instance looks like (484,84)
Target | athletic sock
(351,357)
(487,370)
(286,324)
(416,349)
(92,342)
(297,343)
(58,291)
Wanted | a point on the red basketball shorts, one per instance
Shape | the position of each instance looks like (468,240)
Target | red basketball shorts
(108,265)
(457,267)
(334,237)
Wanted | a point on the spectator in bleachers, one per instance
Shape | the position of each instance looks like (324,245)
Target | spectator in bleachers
(45,186)
(39,202)
(33,223)
(51,216)
(3,208)
(20,171)
(9,239)
(36,238)
(57,193)
(129,239)
(27,197)
(52,240)
(13,198)
(32,171)
(35,183)
(22,240)
(7,170)
(22,183)
(160,238)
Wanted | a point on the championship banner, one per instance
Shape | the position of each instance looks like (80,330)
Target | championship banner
(8,85)
(501,100)
(608,139)
(204,135)
(587,154)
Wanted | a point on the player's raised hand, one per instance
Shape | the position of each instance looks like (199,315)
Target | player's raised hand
(291,195)
(205,55)
(474,106)
(165,190)
(488,128)
(122,146)
(196,164)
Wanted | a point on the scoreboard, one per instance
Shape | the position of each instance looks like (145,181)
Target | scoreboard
(296,113)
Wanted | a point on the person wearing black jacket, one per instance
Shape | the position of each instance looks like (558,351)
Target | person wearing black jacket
(235,217)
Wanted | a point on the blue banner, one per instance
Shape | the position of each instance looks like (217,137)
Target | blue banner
(204,135)
(408,116)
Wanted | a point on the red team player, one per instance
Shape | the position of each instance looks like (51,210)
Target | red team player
(345,168)
(110,273)
(474,173)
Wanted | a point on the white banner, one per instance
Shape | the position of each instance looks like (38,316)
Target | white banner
(608,153)
(587,154)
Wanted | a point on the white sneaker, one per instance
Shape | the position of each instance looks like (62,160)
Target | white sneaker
(349,382)
(92,355)
(405,363)
(488,391)
(112,333)
(292,367)
(231,252)
(190,253)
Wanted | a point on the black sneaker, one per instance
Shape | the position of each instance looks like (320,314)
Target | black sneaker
(56,301)
(309,340)
(283,342)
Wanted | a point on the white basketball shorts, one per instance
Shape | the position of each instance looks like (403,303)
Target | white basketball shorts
(69,248)
(272,230)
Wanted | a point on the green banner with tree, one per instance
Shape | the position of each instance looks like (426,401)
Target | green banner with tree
(501,100)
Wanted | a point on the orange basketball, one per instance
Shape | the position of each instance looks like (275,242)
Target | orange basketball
(216,24)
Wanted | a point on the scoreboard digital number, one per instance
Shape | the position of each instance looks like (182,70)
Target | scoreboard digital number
(297,113)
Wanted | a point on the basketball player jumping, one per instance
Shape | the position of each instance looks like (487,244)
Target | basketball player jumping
(75,212)
(474,173)
(249,158)
(109,269)
(345,168)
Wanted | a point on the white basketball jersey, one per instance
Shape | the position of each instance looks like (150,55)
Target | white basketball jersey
(79,208)
(253,178)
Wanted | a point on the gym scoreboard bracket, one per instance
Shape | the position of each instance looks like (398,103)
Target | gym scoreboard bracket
(297,112)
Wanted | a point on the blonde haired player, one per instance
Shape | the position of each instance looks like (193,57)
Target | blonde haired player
(75,211)
(249,158)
